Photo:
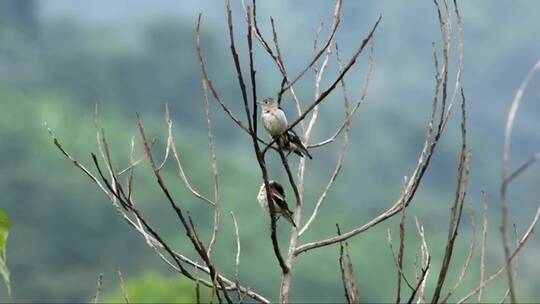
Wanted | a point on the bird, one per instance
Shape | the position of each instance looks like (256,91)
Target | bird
(278,197)
(275,122)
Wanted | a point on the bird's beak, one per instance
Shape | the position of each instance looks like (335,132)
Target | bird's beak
(259,102)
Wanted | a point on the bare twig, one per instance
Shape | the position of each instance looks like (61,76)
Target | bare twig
(356,106)
(505,175)
(505,296)
(189,232)
(215,177)
(484,242)
(421,281)
(431,141)
(347,272)
(286,276)
(253,125)
(395,259)
(123,286)
(341,156)
(401,254)
(153,239)
(523,167)
(522,241)
(326,92)
(337,17)
(468,259)
(197,288)
(457,207)
(98,289)
(176,157)
(237,259)
(214,92)
(424,251)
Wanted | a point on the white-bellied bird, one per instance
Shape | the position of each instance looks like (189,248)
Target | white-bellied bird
(275,122)
(278,198)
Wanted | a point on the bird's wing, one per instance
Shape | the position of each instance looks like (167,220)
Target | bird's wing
(279,200)
(281,116)
(297,145)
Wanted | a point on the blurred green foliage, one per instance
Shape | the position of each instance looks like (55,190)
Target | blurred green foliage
(152,287)
(4,232)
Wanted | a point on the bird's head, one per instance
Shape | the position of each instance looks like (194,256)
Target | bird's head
(268,103)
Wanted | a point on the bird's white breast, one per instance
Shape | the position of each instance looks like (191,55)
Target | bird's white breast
(275,122)
(261,197)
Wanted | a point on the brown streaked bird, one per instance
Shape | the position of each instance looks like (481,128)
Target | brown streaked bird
(275,122)
(278,197)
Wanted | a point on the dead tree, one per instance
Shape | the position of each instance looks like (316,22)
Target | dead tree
(118,185)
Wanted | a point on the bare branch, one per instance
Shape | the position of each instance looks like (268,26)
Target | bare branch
(237,259)
(468,259)
(513,254)
(98,289)
(153,239)
(337,18)
(78,164)
(484,242)
(425,262)
(430,143)
(523,167)
(459,197)
(189,232)
(214,92)
(123,286)
(326,92)
(421,281)
(395,259)
(341,156)
(504,175)
(357,105)
(347,272)
(179,165)
(401,253)
(215,177)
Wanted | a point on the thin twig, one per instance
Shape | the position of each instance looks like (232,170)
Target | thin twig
(401,254)
(341,156)
(356,106)
(424,251)
(286,276)
(421,281)
(215,176)
(214,92)
(484,242)
(468,259)
(189,232)
(505,179)
(153,239)
(179,165)
(98,289)
(395,259)
(513,254)
(430,143)
(347,272)
(523,167)
(457,207)
(337,17)
(329,90)
(123,286)
(237,259)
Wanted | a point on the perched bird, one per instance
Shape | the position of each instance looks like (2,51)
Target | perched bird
(278,197)
(275,122)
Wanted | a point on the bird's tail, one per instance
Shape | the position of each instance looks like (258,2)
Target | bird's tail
(288,215)
(296,145)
